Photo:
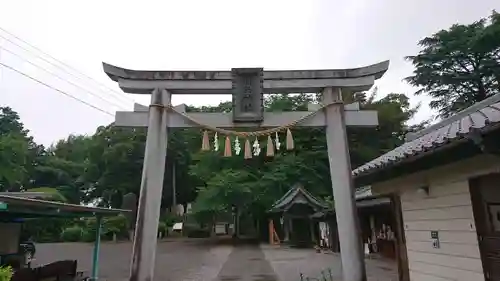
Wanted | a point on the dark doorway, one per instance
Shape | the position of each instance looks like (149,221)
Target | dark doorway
(301,232)
(485,195)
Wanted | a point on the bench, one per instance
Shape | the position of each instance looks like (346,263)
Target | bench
(58,271)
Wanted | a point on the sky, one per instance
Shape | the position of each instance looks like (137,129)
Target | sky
(199,35)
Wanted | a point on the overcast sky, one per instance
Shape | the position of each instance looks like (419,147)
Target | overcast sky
(202,35)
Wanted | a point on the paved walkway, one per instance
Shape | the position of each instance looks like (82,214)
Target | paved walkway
(247,263)
(289,263)
(202,260)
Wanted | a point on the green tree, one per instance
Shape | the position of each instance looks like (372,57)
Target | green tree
(101,168)
(13,158)
(113,165)
(253,185)
(15,150)
(459,66)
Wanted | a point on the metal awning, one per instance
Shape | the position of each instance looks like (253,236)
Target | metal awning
(14,208)
(21,207)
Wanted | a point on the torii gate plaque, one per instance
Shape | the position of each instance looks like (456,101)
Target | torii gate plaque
(247,94)
(247,87)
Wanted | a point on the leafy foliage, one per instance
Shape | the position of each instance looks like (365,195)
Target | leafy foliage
(459,66)
(6,273)
(116,225)
(253,185)
(44,230)
(72,234)
(12,161)
(105,168)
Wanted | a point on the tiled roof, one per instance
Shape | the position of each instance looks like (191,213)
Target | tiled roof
(480,116)
(290,195)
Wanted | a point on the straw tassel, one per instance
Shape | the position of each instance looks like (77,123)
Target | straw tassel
(237,147)
(277,140)
(289,140)
(205,143)
(227,147)
(256,147)
(248,149)
(216,142)
(270,146)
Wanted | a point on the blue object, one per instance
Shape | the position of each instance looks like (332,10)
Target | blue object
(97,245)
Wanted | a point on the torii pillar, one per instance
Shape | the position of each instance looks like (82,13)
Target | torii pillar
(247,87)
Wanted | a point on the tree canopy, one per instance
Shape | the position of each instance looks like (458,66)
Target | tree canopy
(107,165)
(459,66)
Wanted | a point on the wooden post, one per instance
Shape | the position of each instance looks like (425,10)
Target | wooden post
(271,231)
(401,254)
(286,229)
(174,192)
(311,228)
(273,236)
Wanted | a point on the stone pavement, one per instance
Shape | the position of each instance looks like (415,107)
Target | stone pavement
(176,260)
(204,260)
(289,263)
(211,265)
(247,263)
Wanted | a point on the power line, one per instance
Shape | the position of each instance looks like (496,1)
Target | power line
(63,79)
(60,62)
(55,89)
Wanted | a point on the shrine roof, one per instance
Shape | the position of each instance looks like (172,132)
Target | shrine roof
(479,118)
(116,73)
(296,191)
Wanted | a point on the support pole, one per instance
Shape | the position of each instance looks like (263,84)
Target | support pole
(353,268)
(97,246)
(286,228)
(174,192)
(271,232)
(311,228)
(148,213)
(236,233)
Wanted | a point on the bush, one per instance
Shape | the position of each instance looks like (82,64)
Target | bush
(72,234)
(115,225)
(88,236)
(198,233)
(192,231)
(171,219)
(90,227)
(110,226)
(162,228)
(6,273)
(45,229)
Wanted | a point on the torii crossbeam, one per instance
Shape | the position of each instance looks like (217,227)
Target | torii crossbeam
(247,86)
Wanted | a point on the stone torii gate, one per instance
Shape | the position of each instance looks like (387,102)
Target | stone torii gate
(247,85)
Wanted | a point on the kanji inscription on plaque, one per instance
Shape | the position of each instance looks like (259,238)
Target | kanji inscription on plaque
(248,97)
